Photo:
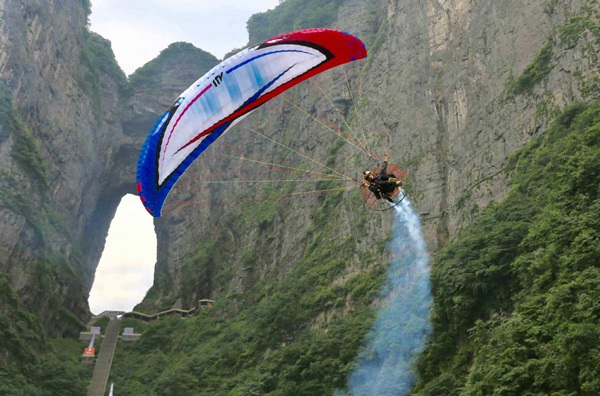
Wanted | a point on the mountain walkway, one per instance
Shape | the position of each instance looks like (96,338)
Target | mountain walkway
(184,313)
(105,358)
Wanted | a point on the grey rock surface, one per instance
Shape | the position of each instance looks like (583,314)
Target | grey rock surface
(435,88)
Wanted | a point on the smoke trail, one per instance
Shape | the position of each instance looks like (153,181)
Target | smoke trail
(402,326)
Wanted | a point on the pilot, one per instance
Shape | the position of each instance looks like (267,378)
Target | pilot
(382,183)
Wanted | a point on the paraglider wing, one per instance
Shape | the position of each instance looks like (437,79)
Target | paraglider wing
(227,93)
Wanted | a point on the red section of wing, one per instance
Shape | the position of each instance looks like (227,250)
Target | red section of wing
(344,46)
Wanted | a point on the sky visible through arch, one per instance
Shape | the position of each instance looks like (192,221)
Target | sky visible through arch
(138,30)
(126,269)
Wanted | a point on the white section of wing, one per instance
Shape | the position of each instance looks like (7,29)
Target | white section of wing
(224,89)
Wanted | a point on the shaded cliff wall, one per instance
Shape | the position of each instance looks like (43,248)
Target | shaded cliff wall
(441,85)
(71,126)
(61,91)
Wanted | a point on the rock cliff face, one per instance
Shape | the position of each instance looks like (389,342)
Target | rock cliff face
(454,87)
(70,131)
(61,132)
(457,118)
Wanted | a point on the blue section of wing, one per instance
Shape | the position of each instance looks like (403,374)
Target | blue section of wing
(257,78)
(152,194)
(233,89)
(147,171)
(212,101)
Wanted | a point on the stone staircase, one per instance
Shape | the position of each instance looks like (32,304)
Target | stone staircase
(105,357)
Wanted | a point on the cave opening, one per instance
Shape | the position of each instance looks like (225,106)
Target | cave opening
(126,269)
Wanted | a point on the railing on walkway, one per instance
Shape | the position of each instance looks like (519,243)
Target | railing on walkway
(170,312)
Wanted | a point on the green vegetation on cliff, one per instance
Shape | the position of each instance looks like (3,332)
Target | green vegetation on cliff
(98,55)
(149,77)
(292,15)
(26,153)
(576,26)
(293,336)
(534,72)
(516,297)
(585,23)
(98,58)
(57,373)
(30,362)
(288,16)
(25,150)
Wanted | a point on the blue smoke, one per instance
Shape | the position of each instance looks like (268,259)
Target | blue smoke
(385,365)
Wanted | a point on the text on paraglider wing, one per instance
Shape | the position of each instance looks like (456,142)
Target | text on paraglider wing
(218,80)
